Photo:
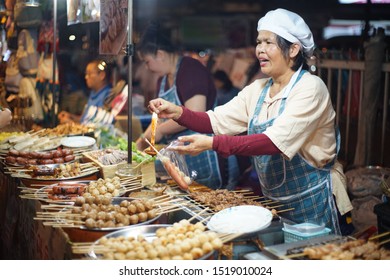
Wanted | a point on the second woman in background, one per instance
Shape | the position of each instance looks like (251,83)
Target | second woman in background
(183,81)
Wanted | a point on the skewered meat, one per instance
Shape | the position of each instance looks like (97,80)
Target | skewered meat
(33,158)
(69,189)
(350,250)
(10,159)
(181,241)
(221,199)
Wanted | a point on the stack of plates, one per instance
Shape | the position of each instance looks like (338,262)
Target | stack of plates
(78,142)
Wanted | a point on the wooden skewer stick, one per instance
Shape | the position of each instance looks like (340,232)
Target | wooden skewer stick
(274,206)
(133,188)
(384,242)
(270,203)
(243,190)
(198,214)
(172,201)
(170,207)
(231,237)
(379,235)
(169,211)
(50,206)
(293,256)
(205,219)
(150,144)
(284,210)
(81,243)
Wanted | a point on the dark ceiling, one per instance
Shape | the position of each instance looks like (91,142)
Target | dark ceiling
(174,12)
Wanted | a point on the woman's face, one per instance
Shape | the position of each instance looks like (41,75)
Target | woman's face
(154,63)
(94,78)
(270,56)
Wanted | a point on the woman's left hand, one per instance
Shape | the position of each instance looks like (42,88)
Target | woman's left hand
(194,144)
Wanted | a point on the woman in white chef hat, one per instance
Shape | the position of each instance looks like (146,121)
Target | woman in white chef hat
(290,122)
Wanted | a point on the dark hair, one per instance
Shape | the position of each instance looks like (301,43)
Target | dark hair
(101,65)
(154,39)
(224,78)
(300,59)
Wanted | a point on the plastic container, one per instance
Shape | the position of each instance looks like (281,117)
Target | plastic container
(303,231)
(175,165)
(147,170)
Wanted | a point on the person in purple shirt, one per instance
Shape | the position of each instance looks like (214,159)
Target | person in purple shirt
(184,81)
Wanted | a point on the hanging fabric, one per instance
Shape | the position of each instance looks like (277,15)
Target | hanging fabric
(47,91)
(12,75)
(27,55)
(28,91)
(27,16)
(45,68)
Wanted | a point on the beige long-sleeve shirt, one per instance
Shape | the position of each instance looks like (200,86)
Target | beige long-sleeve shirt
(306,125)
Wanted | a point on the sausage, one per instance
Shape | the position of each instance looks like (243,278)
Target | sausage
(24,154)
(13,152)
(21,160)
(71,189)
(69,158)
(46,161)
(67,152)
(47,155)
(32,161)
(170,167)
(44,171)
(10,159)
(35,155)
(56,154)
(58,160)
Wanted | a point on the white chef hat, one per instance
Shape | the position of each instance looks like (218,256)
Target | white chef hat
(289,26)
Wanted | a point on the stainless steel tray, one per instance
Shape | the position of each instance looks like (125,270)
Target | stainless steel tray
(148,231)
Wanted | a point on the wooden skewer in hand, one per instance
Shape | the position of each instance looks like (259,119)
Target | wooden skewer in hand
(151,150)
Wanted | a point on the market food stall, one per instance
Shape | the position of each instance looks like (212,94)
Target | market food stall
(81,208)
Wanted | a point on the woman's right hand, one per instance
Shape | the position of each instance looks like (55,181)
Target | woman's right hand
(165,109)
(64,117)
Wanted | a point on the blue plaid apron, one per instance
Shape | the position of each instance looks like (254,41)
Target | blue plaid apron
(206,163)
(295,183)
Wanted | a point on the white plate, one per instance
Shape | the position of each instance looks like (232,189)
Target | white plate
(244,219)
(78,141)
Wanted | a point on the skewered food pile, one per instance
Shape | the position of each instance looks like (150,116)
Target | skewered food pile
(109,156)
(221,199)
(108,187)
(66,191)
(182,241)
(359,249)
(30,142)
(99,212)
(67,129)
(62,171)
(4,136)
(69,190)
(351,250)
(33,158)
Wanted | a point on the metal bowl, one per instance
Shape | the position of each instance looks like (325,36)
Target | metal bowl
(148,231)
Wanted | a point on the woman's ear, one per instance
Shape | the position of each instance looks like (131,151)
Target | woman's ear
(294,50)
(160,55)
